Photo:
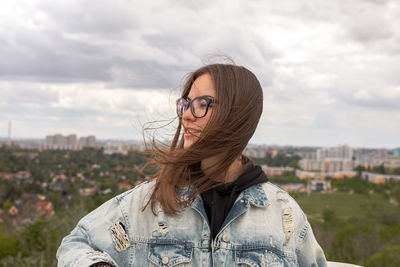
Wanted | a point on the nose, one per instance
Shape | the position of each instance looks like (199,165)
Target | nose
(187,115)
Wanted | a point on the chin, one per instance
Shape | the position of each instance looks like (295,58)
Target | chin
(188,142)
(186,145)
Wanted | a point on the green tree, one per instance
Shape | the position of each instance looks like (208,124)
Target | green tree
(387,257)
(396,171)
(379,169)
(359,169)
(8,246)
(355,244)
(34,235)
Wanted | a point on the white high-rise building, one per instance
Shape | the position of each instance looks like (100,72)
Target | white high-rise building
(89,141)
(330,159)
(59,141)
(338,152)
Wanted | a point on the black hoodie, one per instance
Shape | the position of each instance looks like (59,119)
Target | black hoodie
(218,201)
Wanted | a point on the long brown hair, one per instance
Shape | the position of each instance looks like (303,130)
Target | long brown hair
(232,123)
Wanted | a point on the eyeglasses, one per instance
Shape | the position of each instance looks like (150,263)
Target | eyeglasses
(198,106)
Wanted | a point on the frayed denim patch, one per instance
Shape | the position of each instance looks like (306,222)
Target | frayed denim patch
(119,236)
(287,222)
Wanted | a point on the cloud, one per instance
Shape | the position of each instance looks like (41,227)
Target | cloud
(123,45)
(93,66)
(386,98)
(48,56)
(75,101)
(368,22)
(108,18)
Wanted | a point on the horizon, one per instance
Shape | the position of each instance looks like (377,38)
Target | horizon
(5,139)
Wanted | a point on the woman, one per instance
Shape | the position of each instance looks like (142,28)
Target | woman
(208,205)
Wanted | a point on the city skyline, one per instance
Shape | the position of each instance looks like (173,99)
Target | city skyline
(140,141)
(329,70)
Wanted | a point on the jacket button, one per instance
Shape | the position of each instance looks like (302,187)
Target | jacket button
(165,260)
(225,237)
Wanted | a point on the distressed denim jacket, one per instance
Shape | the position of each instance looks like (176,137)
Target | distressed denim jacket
(265,227)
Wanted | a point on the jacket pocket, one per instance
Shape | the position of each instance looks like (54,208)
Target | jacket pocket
(260,257)
(168,253)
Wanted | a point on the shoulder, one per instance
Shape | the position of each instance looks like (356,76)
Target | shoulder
(140,191)
(135,199)
(282,201)
(275,194)
(294,220)
(114,208)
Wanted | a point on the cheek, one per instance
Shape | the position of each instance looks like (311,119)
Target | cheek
(203,124)
(204,121)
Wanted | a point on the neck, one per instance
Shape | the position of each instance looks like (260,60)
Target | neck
(230,175)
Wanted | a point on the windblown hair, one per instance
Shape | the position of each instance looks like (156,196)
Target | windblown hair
(232,123)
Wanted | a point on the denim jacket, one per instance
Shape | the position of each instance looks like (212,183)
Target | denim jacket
(265,227)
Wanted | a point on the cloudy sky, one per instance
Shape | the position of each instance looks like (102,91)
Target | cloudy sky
(330,70)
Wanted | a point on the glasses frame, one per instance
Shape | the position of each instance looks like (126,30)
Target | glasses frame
(189,104)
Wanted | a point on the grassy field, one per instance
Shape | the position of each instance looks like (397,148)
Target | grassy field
(345,205)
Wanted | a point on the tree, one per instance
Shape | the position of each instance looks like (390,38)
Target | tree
(355,244)
(33,236)
(396,171)
(387,257)
(379,169)
(8,246)
(359,169)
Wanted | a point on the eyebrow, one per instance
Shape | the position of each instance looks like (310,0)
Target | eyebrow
(190,99)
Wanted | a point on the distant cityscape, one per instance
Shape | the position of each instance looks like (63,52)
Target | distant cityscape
(337,162)
(315,162)
(72,142)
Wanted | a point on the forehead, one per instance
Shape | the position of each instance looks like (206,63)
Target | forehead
(203,85)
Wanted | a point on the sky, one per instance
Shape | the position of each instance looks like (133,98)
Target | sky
(330,70)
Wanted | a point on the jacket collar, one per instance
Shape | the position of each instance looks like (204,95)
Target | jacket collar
(184,192)
(256,196)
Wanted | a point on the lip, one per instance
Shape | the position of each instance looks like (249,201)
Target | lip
(188,132)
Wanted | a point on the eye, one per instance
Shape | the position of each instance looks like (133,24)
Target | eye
(203,105)
(200,103)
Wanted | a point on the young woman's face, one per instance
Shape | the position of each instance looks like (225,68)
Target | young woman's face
(202,86)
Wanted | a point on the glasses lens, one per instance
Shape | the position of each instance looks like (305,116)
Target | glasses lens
(181,106)
(200,106)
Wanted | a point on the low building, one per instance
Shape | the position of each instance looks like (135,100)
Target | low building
(106,191)
(23,175)
(320,185)
(378,178)
(124,186)
(114,148)
(88,191)
(326,165)
(6,175)
(13,211)
(45,208)
(389,162)
(323,175)
(276,171)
